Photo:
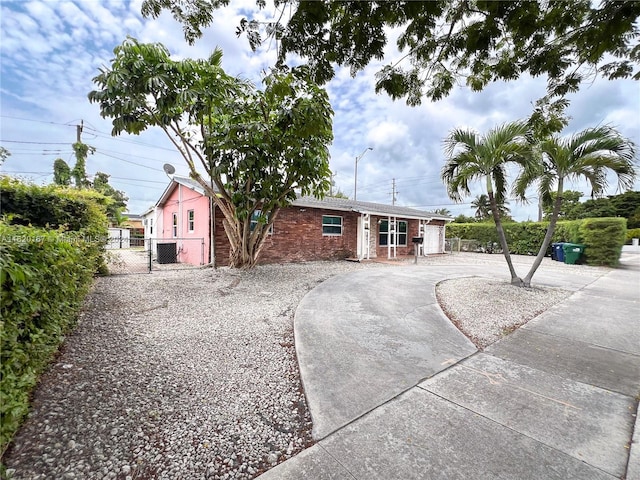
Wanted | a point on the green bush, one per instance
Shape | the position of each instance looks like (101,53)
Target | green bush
(54,207)
(632,233)
(604,238)
(45,274)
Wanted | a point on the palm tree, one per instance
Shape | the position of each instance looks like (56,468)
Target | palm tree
(482,206)
(484,157)
(587,155)
(442,211)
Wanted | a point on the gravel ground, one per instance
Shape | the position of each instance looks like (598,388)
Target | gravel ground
(486,322)
(163,381)
(493,308)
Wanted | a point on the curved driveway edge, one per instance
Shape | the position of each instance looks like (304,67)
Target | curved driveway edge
(363,338)
(555,400)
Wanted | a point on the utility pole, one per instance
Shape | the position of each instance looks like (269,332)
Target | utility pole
(79,132)
(355,183)
(332,184)
(394,192)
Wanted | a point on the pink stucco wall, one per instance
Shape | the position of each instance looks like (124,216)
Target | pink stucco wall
(193,246)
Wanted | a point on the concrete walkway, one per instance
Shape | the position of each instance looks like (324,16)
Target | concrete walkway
(396,392)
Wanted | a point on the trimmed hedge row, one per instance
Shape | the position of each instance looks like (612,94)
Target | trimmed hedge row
(603,237)
(44,276)
(632,233)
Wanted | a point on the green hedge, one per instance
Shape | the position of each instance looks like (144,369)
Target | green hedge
(632,233)
(45,274)
(603,237)
(52,207)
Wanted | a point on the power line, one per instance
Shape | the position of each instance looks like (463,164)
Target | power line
(68,124)
(127,161)
(138,180)
(72,123)
(34,143)
(100,134)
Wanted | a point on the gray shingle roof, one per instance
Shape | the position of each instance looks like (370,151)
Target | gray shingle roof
(380,209)
(329,203)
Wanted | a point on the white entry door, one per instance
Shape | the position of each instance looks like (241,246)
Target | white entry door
(433,242)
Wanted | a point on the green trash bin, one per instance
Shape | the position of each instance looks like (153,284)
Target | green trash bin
(572,252)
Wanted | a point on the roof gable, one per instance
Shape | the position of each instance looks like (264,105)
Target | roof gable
(178,180)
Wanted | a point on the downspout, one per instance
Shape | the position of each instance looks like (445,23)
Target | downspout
(179,232)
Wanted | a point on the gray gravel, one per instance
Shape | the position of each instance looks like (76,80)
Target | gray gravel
(192,374)
(487,309)
(493,308)
(185,374)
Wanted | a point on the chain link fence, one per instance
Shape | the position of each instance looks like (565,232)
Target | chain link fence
(453,245)
(129,256)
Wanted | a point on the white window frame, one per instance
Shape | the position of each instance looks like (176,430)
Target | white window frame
(398,233)
(191,220)
(174,224)
(405,233)
(332,225)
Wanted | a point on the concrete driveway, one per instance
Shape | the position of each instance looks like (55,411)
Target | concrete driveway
(396,392)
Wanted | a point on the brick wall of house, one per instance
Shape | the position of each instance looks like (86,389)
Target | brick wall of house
(297,236)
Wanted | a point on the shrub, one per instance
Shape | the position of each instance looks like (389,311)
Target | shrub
(54,207)
(45,274)
(525,238)
(632,233)
(604,238)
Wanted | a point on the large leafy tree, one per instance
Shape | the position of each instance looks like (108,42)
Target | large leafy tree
(443,42)
(588,155)
(61,173)
(256,147)
(627,205)
(568,206)
(118,199)
(471,156)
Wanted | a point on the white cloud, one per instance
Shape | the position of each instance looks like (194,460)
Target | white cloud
(52,50)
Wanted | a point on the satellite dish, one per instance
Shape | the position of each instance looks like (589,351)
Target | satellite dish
(168,169)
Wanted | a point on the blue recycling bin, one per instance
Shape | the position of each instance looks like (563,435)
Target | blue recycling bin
(557,252)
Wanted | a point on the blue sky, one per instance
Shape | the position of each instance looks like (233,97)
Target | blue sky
(51,50)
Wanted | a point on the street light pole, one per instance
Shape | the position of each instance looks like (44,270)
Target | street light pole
(355,186)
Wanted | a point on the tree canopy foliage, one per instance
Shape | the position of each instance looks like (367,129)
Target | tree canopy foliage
(4,154)
(625,205)
(442,42)
(257,147)
(61,173)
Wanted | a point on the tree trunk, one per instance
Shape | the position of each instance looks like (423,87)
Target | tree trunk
(515,280)
(547,237)
(245,245)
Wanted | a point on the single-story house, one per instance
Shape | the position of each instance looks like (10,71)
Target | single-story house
(308,229)
(151,222)
(133,220)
